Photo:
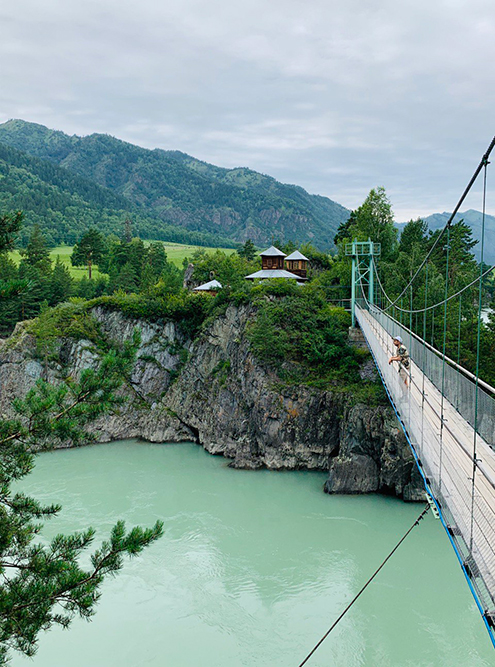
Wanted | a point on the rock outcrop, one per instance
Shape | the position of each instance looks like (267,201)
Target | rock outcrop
(214,391)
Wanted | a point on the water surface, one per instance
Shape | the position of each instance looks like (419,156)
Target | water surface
(253,568)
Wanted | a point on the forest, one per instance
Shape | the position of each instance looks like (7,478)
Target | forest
(138,278)
(163,189)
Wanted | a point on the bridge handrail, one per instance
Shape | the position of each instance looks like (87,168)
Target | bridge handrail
(442,356)
(459,388)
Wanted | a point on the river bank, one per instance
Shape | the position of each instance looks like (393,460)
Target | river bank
(215,391)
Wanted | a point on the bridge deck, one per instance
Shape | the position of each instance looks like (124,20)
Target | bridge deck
(445,450)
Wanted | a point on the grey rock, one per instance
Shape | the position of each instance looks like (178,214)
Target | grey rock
(229,403)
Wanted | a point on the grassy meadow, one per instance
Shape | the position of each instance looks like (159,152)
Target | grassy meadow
(176,252)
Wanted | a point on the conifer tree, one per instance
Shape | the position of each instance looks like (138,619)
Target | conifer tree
(157,258)
(36,254)
(35,269)
(89,250)
(10,224)
(247,250)
(44,585)
(127,279)
(60,283)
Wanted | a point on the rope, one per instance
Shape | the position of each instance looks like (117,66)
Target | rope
(420,517)
(483,163)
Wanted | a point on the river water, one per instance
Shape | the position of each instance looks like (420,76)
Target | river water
(253,568)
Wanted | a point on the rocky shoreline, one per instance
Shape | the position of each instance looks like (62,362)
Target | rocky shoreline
(213,391)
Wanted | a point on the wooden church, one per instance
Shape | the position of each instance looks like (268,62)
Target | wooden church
(276,264)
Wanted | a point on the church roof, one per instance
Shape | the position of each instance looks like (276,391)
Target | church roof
(297,255)
(208,287)
(272,252)
(272,273)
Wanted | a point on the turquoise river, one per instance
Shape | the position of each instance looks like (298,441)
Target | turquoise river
(253,568)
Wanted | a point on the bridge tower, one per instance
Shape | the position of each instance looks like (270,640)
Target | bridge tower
(362,270)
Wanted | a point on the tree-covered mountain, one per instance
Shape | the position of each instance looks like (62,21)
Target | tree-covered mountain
(65,205)
(179,190)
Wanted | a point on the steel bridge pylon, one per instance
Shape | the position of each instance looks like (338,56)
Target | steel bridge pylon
(362,253)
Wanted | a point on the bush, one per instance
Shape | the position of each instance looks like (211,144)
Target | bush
(189,310)
(300,326)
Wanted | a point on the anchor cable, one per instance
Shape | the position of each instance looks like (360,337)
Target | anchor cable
(421,516)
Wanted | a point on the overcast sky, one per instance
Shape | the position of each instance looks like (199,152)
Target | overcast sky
(338,96)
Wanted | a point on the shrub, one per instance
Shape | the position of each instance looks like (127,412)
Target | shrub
(299,326)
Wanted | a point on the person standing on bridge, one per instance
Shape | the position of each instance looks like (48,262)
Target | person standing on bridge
(402,357)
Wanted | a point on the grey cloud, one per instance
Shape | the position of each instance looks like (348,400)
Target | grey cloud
(337,96)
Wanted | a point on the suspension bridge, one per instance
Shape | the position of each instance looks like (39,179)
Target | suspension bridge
(447,412)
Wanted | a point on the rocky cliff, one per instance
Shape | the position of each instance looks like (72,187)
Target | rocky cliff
(214,391)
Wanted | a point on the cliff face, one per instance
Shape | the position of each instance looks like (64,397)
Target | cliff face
(215,392)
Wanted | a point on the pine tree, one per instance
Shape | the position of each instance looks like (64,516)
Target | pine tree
(60,283)
(128,279)
(10,224)
(35,268)
(36,253)
(90,250)
(10,287)
(157,258)
(44,585)
(248,250)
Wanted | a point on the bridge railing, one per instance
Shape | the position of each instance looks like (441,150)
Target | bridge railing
(446,460)
(457,383)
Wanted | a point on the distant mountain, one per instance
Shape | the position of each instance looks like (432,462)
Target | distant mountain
(473,219)
(179,190)
(66,205)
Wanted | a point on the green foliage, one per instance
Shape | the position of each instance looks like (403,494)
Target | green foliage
(90,249)
(10,224)
(344,232)
(414,235)
(68,320)
(372,220)
(90,289)
(221,371)
(133,267)
(276,287)
(189,310)
(36,253)
(297,325)
(61,283)
(66,205)
(248,250)
(44,584)
(318,261)
(229,270)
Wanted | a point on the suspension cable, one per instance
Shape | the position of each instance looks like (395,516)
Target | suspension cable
(484,161)
(435,305)
(477,373)
(451,362)
(420,517)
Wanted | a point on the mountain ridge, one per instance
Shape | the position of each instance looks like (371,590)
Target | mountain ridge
(66,205)
(180,190)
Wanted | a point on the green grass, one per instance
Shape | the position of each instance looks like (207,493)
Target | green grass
(176,252)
